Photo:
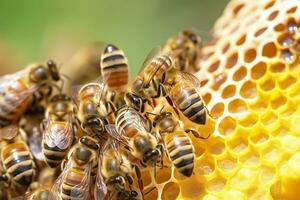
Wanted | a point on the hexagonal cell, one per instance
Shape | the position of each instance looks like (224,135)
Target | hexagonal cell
(146,177)
(240,74)
(170,191)
(279,27)
(151,193)
(206,98)
(269,4)
(192,189)
(286,82)
(241,40)
(225,47)
(272,153)
(217,110)
(278,101)
(250,55)
(216,185)
(231,60)
(219,80)
(248,90)
(238,8)
(215,145)
(249,120)
(250,159)
(269,50)
(214,66)
(260,105)
(237,144)
(245,179)
(258,70)
(287,56)
(268,118)
(163,174)
(292,10)
(259,136)
(260,31)
(237,106)
(205,165)
(227,163)
(234,194)
(280,131)
(292,25)
(267,174)
(273,15)
(285,40)
(227,126)
(288,109)
(277,67)
(267,85)
(228,91)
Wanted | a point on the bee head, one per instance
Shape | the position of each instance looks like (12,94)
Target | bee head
(134,101)
(89,142)
(94,124)
(192,36)
(151,157)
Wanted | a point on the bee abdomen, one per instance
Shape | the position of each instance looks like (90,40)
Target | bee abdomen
(114,67)
(18,163)
(53,155)
(191,105)
(181,153)
(70,189)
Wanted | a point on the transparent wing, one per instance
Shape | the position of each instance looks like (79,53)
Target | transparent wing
(35,143)
(156,51)
(74,93)
(9,132)
(135,119)
(100,189)
(115,136)
(59,134)
(190,78)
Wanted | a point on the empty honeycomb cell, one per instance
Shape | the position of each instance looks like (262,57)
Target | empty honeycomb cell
(259,136)
(238,8)
(219,79)
(237,106)
(233,194)
(241,40)
(200,146)
(225,48)
(215,146)
(269,4)
(206,98)
(232,60)
(250,55)
(217,110)
(273,15)
(245,179)
(203,82)
(260,31)
(171,191)
(277,67)
(268,118)
(269,50)
(227,164)
(214,66)
(287,56)
(271,153)
(210,197)
(192,188)
(250,159)
(248,90)
(205,165)
(259,105)
(249,120)
(292,10)
(146,176)
(228,91)
(258,70)
(280,131)
(240,74)
(286,82)
(227,126)
(267,174)
(278,101)
(216,185)
(151,194)
(267,84)
(285,40)
(238,145)
(288,109)
(163,174)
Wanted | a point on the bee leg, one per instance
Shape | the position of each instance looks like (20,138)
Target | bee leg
(140,180)
(148,123)
(208,113)
(196,134)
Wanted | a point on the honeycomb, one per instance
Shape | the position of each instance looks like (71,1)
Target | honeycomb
(249,73)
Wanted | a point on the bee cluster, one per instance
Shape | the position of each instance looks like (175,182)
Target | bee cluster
(93,143)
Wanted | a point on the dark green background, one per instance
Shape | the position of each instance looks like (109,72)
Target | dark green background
(34,30)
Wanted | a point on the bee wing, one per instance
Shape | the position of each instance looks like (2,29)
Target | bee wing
(135,119)
(81,190)
(9,132)
(59,134)
(115,136)
(191,78)
(100,189)
(35,143)
(74,93)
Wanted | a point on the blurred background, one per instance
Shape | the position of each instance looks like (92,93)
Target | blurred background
(34,30)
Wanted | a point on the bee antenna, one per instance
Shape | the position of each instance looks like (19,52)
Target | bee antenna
(162,108)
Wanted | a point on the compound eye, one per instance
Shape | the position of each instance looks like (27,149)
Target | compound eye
(40,73)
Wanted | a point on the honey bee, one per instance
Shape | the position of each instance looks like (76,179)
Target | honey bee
(188,44)
(178,145)
(16,158)
(143,145)
(91,113)
(37,192)
(16,90)
(58,129)
(75,179)
(115,172)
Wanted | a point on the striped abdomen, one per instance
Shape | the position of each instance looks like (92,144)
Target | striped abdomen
(18,163)
(181,153)
(127,123)
(14,100)
(189,102)
(54,155)
(72,187)
(114,67)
